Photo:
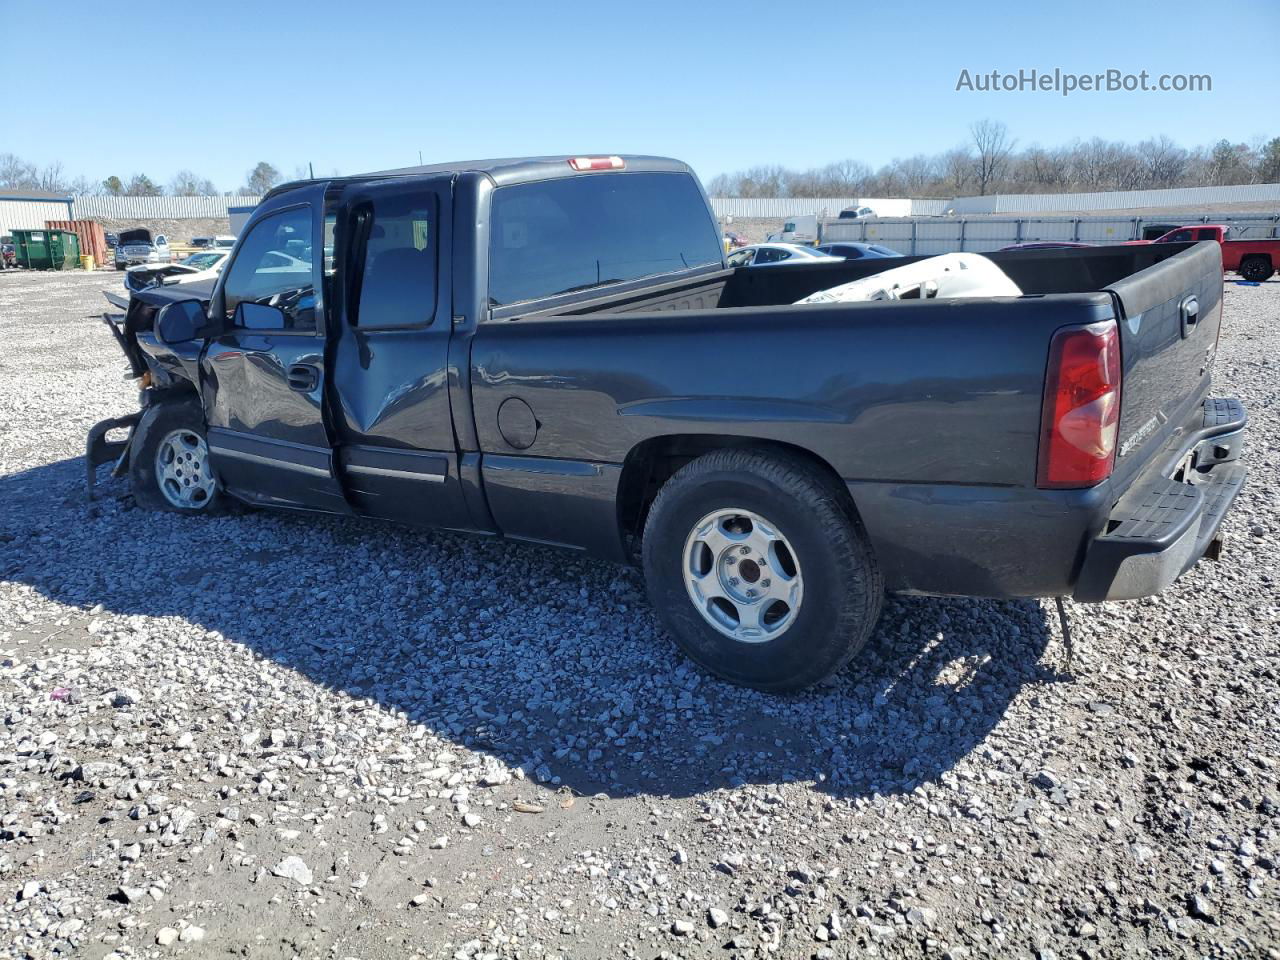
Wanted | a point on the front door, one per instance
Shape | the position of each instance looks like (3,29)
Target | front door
(393,427)
(264,377)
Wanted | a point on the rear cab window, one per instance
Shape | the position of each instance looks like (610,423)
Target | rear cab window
(394,246)
(575,233)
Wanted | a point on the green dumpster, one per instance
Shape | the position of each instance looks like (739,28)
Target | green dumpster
(46,249)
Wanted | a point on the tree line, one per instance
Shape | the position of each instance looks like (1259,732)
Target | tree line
(18,174)
(990,161)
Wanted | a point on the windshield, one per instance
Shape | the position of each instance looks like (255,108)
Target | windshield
(202,261)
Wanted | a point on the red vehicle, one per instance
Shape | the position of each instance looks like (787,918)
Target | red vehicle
(1252,259)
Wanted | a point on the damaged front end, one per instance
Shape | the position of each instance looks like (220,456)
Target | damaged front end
(153,378)
(99,449)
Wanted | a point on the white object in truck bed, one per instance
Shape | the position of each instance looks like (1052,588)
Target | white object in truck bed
(955,275)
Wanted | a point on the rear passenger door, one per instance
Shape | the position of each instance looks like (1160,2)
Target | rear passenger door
(392,420)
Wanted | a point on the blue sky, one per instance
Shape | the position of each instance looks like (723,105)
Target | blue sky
(215,87)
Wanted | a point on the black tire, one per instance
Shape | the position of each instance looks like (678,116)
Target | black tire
(158,423)
(1257,269)
(842,583)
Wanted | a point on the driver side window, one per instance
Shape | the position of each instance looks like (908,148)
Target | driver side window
(273,267)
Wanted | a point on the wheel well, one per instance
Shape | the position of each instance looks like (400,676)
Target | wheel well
(1265,257)
(179,391)
(652,463)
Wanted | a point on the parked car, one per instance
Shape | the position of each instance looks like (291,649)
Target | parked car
(557,351)
(761,254)
(8,255)
(221,241)
(113,240)
(137,246)
(898,207)
(204,265)
(849,250)
(1254,260)
(735,240)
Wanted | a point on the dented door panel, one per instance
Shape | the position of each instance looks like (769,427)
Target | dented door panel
(390,330)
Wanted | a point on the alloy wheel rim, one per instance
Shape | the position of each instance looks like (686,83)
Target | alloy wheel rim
(183,472)
(742,575)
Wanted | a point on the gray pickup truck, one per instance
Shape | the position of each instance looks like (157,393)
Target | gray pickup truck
(555,350)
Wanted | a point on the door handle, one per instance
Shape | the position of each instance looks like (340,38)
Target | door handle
(303,377)
(1189,314)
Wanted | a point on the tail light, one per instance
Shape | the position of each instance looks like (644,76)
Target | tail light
(582,164)
(1081,412)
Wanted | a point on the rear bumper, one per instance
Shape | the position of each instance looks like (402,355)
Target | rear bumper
(982,541)
(1163,525)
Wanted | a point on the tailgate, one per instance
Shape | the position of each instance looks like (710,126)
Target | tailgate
(1168,316)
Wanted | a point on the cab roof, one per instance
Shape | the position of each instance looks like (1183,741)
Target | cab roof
(508,170)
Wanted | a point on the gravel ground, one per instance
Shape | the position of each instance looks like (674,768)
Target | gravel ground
(282,736)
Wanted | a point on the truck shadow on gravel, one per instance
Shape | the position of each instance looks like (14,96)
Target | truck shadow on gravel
(544,659)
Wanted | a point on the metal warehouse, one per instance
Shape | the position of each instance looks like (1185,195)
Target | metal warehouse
(29,209)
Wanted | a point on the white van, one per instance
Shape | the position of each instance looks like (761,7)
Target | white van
(802,230)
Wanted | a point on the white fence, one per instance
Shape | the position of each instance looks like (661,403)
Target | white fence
(156,208)
(1114,200)
(773,208)
(954,235)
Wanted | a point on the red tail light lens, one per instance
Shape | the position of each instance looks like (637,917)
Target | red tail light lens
(1081,412)
(583,164)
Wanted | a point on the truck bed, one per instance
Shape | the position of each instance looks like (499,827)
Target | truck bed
(930,411)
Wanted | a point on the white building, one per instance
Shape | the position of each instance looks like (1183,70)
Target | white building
(29,209)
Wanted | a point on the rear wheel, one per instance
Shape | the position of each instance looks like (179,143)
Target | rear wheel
(757,565)
(169,465)
(1256,269)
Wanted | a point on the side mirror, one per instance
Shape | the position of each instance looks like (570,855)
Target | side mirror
(181,322)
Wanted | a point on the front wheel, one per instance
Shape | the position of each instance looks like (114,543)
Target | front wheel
(758,566)
(169,465)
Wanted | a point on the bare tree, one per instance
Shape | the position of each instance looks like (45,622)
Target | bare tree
(956,167)
(53,179)
(918,174)
(1163,162)
(1231,163)
(261,179)
(16,173)
(993,144)
(140,185)
(187,184)
(721,185)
